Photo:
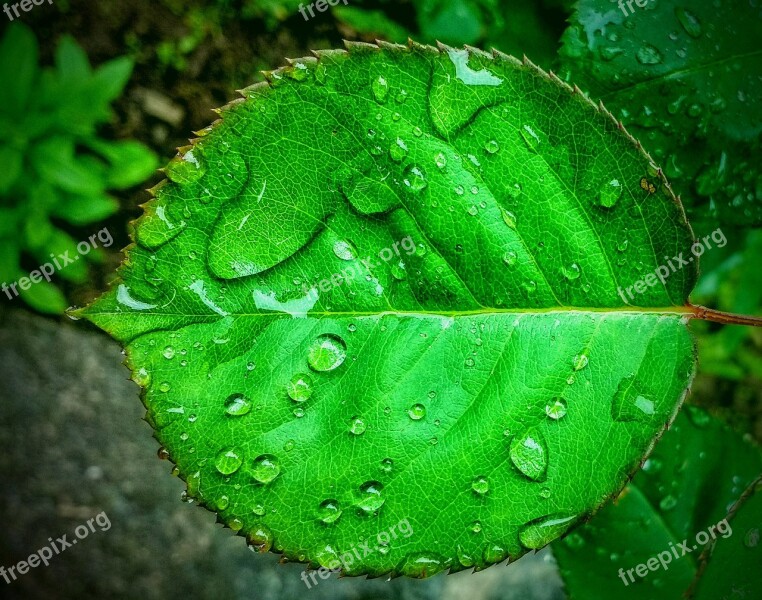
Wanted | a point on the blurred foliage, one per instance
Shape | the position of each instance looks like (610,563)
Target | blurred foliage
(55,166)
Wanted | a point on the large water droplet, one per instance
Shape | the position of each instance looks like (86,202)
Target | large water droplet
(417,412)
(440,160)
(571,272)
(260,539)
(265,468)
(186,170)
(398,150)
(299,388)
(329,511)
(536,534)
(492,147)
(580,361)
(228,461)
(422,565)
(529,454)
(327,352)
(371,500)
(237,405)
(508,218)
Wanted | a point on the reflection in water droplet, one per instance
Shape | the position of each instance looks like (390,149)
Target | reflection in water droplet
(380,89)
(265,468)
(299,388)
(344,250)
(556,409)
(357,426)
(371,500)
(529,454)
(480,485)
(541,532)
(228,461)
(327,352)
(329,511)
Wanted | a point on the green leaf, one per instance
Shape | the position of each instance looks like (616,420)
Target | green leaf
(84,210)
(45,298)
(731,569)
(54,160)
(461,382)
(18,64)
(109,79)
(63,248)
(682,77)
(131,162)
(12,160)
(72,63)
(371,22)
(696,472)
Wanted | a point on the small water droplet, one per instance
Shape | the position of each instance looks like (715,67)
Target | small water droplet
(492,147)
(751,539)
(509,258)
(265,468)
(327,352)
(344,250)
(545,493)
(480,485)
(357,426)
(228,461)
(556,409)
(329,511)
(387,465)
(571,272)
(508,218)
(415,178)
(371,500)
(580,361)
(476,527)
(529,455)
(398,150)
(530,137)
(380,89)
(648,55)
(417,412)
(609,193)
(668,502)
(689,21)
(299,388)
(440,160)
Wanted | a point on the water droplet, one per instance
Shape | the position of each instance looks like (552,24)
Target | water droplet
(580,361)
(508,218)
(299,388)
(529,454)
(474,189)
(415,178)
(186,170)
(417,132)
(298,412)
(480,485)
(380,89)
(609,193)
(169,352)
(258,510)
(648,55)
(470,362)
(260,539)
(329,511)
(223,502)
(357,426)
(609,53)
(751,539)
(237,405)
(628,404)
(536,534)
(265,468)
(464,558)
(327,352)
(228,461)
(509,258)
(417,412)
(164,387)
(545,493)
(289,445)
(440,160)
(473,211)
(401,96)
(371,500)
(398,271)
(689,21)
(530,137)
(668,502)
(344,250)
(556,409)
(530,287)
(387,465)
(398,150)
(571,272)
(422,565)
(476,527)
(492,147)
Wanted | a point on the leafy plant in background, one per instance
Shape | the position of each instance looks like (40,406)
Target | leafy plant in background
(313,406)
(56,168)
